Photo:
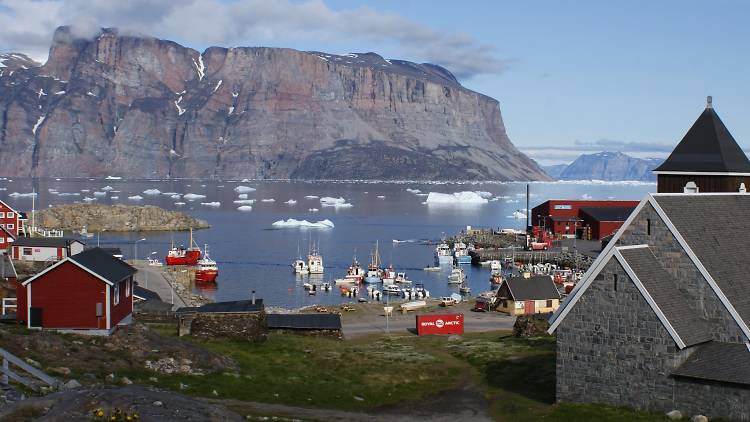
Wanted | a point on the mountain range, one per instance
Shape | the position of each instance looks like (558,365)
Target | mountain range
(137,106)
(612,166)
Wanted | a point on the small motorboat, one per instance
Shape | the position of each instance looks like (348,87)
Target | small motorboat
(389,275)
(464,289)
(308,286)
(154,262)
(300,266)
(391,289)
(457,276)
(496,265)
(496,277)
(402,279)
(354,273)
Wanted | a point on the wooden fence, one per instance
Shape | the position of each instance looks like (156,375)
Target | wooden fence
(8,373)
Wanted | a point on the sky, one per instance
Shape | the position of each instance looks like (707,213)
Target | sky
(571,77)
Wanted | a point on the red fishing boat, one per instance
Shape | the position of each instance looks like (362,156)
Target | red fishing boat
(207,270)
(180,255)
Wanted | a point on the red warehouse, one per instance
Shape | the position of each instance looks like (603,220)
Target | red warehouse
(43,249)
(563,217)
(602,222)
(88,293)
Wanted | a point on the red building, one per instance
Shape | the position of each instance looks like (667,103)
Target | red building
(44,249)
(602,222)
(563,217)
(6,238)
(11,220)
(89,293)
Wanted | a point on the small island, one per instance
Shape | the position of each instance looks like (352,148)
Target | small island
(115,218)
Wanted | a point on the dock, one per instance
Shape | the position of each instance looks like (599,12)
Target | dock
(154,279)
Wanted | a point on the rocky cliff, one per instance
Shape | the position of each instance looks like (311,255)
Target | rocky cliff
(118,218)
(142,107)
(610,166)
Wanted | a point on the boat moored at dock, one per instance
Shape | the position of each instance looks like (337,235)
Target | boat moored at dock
(461,253)
(179,255)
(207,269)
(443,254)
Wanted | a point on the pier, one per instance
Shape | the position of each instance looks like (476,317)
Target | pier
(155,279)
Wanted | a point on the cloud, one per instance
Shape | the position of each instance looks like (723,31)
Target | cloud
(28,26)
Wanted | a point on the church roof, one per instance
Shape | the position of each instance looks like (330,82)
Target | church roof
(708,147)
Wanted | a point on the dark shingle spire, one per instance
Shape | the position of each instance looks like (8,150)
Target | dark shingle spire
(707,147)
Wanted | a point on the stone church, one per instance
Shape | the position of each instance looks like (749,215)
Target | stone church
(661,320)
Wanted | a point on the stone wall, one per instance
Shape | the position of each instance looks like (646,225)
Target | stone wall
(712,399)
(612,348)
(237,326)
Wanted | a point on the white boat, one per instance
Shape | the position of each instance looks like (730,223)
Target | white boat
(315,260)
(84,233)
(496,265)
(457,276)
(391,289)
(326,287)
(300,266)
(402,279)
(308,286)
(443,254)
(464,289)
(389,275)
(340,281)
(414,305)
(154,262)
(461,253)
(374,273)
(354,273)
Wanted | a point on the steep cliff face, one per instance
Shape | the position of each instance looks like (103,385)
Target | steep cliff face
(144,107)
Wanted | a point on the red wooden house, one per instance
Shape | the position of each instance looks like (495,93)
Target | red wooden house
(11,219)
(89,293)
(6,238)
(45,249)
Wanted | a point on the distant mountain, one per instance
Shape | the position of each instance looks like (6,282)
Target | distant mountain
(607,166)
(555,170)
(137,106)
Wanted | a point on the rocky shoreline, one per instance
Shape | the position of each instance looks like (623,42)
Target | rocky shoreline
(117,218)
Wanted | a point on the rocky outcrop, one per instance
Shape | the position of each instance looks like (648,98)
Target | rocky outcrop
(610,166)
(142,107)
(98,218)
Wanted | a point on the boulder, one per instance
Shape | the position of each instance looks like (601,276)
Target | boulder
(71,385)
(674,415)
(699,418)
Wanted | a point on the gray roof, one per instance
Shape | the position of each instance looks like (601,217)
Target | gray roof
(663,289)
(146,294)
(6,267)
(104,264)
(52,242)
(304,321)
(715,227)
(716,361)
(538,287)
(238,306)
(707,147)
(608,213)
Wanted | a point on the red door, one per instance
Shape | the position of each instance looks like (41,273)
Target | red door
(528,307)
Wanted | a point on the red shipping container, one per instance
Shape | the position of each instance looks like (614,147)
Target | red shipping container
(440,324)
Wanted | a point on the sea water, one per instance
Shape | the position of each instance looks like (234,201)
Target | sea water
(254,255)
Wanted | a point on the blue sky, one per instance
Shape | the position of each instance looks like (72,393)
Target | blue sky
(571,77)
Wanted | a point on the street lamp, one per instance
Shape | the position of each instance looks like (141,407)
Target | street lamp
(135,250)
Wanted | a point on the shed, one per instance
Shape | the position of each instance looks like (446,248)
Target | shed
(305,323)
(528,295)
(241,320)
(45,249)
(90,292)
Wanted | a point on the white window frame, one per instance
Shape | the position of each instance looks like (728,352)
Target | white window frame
(2,214)
(2,240)
(116,294)
(9,214)
(10,226)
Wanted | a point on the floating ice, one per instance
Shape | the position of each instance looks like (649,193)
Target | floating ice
(170,193)
(175,196)
(113,178)
(87,199)
(65,194)
(211,204)
(291,202)
(483,194)
(413,190)
(245,180)
(107,188)
(245,208)
(179,203)
(330,200)
(97,193)
(193,196)
(151,192)
(85,190)
(114,197)
(268,200)
(135,197)
(313,209)
(422,194)
(242,196)
(322,224)
(311,197)
(22,195)
(458,198)
(244,201)
(244,189)
(585,196)
(381,196)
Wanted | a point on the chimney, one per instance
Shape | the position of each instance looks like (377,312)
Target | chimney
(690,187)
(742,188)
(709,101)
(253,297)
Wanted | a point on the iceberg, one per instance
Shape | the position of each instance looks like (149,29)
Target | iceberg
(268,200)
(176,196)
(311,196)
(135,197)
(113,178)
(193,196)
(331,201)
(458,198)
(322,224)
(242,196)
(98,193)
(313,209)
(244,201)
(413,190)
(114,197)
(22,195)
(245,208)
(291,202)
(179,203)
(107,188)
(381,196)
(151,192)
(483,194)
(211,204)
(87,199)
(244,189)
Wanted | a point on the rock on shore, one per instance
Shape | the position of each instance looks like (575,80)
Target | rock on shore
(119,218)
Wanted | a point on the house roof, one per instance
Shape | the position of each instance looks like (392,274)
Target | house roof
(103,264)
(715,228)
(716,361)
(608,213)
(238,306)
(707,147)
(662,288)
(111,251)
(50,242)
(7,269)
(304,321)
(145,294)
(538,287)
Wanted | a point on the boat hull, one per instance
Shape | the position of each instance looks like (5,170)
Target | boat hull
(206,276)
(372,280)
(463,259)
(191,257)
(443,259)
